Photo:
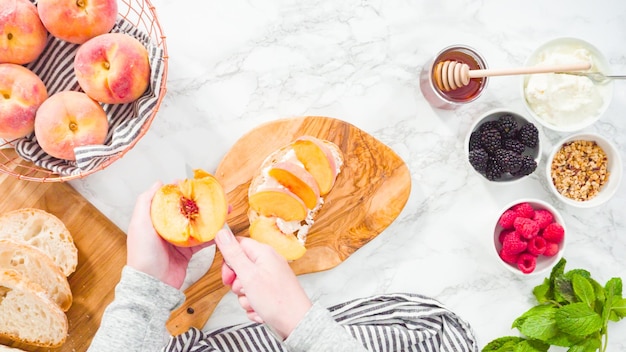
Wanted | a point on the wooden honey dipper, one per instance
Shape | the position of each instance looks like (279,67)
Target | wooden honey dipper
(450,75)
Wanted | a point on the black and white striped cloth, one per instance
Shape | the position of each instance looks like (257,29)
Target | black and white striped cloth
(390,322)
(55,68)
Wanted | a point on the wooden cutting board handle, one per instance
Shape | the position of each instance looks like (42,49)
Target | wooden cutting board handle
(202,298)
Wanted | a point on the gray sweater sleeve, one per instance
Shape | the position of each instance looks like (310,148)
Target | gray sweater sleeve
(318,331)
(135,320)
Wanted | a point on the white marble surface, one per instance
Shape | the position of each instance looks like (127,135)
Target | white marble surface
(236,64)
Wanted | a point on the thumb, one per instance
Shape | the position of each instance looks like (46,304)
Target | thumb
(234,255)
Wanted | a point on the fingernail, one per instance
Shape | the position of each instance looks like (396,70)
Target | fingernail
(225,236)
(258,319)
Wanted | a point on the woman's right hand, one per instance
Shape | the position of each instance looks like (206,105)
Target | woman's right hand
(265,284)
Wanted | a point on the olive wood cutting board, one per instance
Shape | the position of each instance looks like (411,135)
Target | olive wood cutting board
(369,194)
(101,252)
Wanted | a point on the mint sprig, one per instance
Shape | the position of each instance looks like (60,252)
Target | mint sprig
(573,310)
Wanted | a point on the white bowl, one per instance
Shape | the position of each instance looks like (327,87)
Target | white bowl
(544,263)
(560,115)
(614,168)
(493,115)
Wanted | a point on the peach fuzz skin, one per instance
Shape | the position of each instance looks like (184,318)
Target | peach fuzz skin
(22,35)
(67,120)
(77,21)
(21,94)
(113,68)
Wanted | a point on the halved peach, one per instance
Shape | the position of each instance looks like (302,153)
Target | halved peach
(296,179)
(190,212)
(265,230)
(318,160)
(278,202)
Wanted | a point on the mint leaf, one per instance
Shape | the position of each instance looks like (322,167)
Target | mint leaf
(557,270)
(584,273)
(503,344)
(618,308)
(563,290)
(600,295)
(531,346)
(613,287)
(564,340)
(541,292)
(583,289)
(588,345)
(578,319)
(538,323)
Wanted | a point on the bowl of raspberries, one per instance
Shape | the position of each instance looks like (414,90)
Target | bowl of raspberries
(529,236)
(503,146)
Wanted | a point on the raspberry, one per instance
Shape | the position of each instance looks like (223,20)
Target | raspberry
(551,249)
(507,218)
(503,234)
(536,245)
(513,244)
(526,228)
(526,263)
(524,209)
(543,218)
(554,233)
(507,257)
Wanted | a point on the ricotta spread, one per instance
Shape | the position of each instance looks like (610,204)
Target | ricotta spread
(563,99)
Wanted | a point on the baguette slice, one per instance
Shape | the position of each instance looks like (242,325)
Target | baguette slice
(43,231)
(27,314)
(38,268)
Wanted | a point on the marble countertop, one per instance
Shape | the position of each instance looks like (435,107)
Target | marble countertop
(236,64)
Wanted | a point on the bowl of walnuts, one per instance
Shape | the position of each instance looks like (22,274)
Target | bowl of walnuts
(503,146)
(584,170)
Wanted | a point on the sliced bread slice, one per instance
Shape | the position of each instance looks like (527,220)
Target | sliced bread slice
(38,268)
(27,314)
(43,231)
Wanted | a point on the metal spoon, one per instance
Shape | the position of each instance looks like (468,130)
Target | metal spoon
(596,77)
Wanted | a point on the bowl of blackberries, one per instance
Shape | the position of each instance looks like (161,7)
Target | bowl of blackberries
(503,146)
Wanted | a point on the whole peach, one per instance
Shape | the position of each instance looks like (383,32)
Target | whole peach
(67,120)
(22,35)
(21,93)
(113,68)
(77,21)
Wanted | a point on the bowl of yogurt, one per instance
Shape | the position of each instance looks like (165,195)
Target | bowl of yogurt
(565,102)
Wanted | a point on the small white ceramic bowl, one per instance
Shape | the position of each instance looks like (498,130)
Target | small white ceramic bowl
(559,110)
(614,167)
(543,263)
(493,115)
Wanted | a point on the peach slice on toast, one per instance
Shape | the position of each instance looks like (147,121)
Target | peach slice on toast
(190,212)
(299,181)
(318,160)
(278,202)
(265,230)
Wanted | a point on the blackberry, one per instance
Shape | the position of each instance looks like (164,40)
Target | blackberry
(528,166)
(529,135)
(494,170)
(491,140)
(507,126)
(513,145)
(489,125)
(508,160)
(479,158)
(474,141)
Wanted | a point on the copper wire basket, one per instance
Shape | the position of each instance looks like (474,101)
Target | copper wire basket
(142,16)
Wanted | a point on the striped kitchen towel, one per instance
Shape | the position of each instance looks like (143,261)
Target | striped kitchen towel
(55,68)
(389,322)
